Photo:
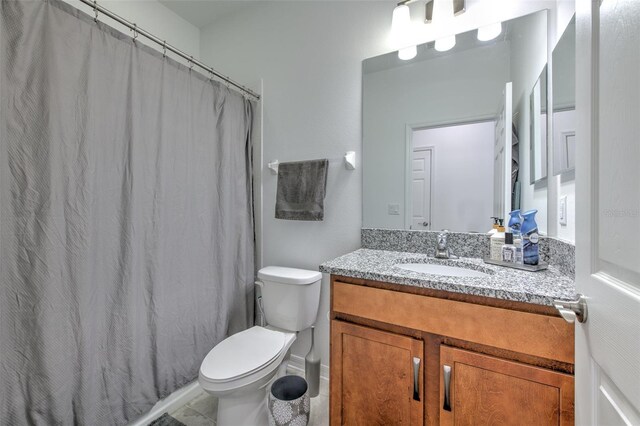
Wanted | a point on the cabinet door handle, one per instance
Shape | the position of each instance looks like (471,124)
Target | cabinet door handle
(416,379)
(447,387)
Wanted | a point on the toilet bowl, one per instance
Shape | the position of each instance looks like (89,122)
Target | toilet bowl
(240,369)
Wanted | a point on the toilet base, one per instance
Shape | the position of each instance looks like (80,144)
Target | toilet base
(243,409)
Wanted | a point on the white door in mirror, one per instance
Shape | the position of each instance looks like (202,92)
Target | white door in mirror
(421,188)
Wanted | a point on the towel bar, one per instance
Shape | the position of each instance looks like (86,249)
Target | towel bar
(349,162)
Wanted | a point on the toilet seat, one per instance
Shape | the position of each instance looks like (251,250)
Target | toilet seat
(243,354)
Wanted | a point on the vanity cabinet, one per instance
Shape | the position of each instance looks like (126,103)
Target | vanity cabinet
(483,390)
(479,360)
(378,376)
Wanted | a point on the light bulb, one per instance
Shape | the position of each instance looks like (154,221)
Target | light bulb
(408,53)
(489,32)
(400,23)
(445,43)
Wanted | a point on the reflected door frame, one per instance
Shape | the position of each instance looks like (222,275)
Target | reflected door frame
(408,150)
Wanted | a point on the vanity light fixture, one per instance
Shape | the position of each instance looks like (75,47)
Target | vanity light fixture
(408,53)
(444,12)
(445,43)
(400,25)
(459,7)
(489,32)
(428,16)
(400,20)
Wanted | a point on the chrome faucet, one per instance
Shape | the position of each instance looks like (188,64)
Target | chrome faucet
(442,249)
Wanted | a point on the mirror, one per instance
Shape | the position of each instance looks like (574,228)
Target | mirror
(564,101)
(538,123)
(446,134)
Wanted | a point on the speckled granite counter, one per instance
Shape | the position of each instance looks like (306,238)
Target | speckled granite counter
(539,288)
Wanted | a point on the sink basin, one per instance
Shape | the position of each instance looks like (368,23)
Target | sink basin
(449,271)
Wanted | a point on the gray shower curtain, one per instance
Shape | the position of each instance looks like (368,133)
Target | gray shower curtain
(126,221)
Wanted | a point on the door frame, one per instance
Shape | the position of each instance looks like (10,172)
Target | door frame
(408,151)
(409,201)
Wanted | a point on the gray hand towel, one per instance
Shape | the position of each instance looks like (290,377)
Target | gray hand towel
(301,190)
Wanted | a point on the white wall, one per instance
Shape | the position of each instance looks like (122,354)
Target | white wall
(153,17)
(545,195)
(566,121)
(309,56)
(417,94)
(529,57)
(462,175)
(566,183)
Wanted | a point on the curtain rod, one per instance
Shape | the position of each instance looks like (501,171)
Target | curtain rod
(166,46)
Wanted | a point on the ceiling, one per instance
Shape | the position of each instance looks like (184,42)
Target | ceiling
(205,12)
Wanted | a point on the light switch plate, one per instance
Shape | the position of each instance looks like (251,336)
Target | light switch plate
(562,216)
(393,209)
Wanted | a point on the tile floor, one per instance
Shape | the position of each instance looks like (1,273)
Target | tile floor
(202,410)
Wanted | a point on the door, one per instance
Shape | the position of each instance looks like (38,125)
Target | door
(481,390)
(376,377)
(608,212)
(421,161)
(502,157)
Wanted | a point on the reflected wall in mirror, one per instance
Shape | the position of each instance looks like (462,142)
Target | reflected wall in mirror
(538,124)
(564,101)
(442,146)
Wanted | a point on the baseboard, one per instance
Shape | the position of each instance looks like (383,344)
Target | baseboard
(296,365)
(171,403)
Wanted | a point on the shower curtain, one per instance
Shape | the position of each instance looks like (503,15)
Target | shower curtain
(126,219)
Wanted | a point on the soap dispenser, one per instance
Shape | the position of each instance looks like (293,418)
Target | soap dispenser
(497,241)
(495,226)
(530,238)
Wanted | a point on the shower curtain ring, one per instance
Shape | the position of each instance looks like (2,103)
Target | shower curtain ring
(135,31)
(191,63)
(164,49)
(95,10)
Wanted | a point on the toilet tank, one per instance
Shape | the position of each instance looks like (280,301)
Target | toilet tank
(290,297)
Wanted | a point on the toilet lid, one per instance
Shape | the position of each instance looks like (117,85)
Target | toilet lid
(242,354)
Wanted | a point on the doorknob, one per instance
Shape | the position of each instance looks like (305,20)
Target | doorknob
(425,223)
(572,310)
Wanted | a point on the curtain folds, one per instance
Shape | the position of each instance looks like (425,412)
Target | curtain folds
(126,219)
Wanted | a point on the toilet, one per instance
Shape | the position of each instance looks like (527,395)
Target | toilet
(240,369)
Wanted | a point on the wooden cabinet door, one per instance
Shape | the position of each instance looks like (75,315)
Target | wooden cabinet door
(372,377)
(484,390)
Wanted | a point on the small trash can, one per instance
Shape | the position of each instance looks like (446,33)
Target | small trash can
(289,403)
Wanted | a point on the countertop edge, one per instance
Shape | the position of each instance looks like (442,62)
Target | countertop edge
(528,297)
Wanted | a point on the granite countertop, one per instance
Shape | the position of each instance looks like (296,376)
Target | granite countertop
(540,288)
